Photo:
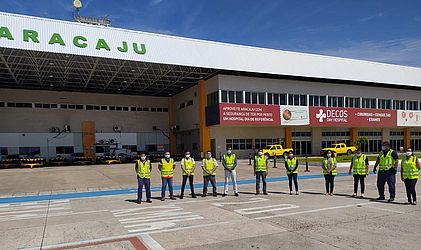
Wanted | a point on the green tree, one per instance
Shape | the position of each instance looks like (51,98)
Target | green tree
(360,141)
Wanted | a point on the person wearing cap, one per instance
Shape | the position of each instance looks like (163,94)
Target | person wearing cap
(187,169)
(229,162)
(387,161)
(260,168)
(143,168)
(291,166)
(410,171)
(359,168)
(166,166)
(209,166)
(329,171)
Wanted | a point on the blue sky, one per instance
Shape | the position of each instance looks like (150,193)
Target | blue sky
(384,31)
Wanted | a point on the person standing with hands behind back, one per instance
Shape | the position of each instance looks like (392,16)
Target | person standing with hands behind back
(291,165)
(388,161)
(261,171)
(187,167)
(410,170)
(360,164)
(209,166)
(329,171)
(166,166)
(143,169)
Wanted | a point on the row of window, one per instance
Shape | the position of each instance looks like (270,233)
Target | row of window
(62,150)
(229,96)
(81,107)
(186,104)
(336,133)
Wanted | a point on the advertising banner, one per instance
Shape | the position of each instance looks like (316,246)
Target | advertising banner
(248,114)
(409,118)
(294,115)
(351,117)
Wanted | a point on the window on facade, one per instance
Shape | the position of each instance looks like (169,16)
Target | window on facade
(64,150)
(370,133)
(213,98)
(396,133)
(317,101)
(254,97)
(224,96)
(384,104)
(352,102)
(262,99)
(231,96)
(399,104)
(412,105)
(335,101)
(104,108)
(368,103)
(248,97)
(1,104)
(297,100)
(3,151)
(29,150)
(189,103)
(262,143)
(79,106)
(239,96)
(89,107)
(24,105)
(239,144)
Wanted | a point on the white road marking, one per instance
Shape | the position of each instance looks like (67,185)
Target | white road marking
(21,211)
(385,209)
(264,209)
(252,200)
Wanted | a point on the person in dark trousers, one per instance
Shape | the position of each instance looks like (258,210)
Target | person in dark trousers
(387,161)
(209,166)
(261,171)
(143,168)
(291,166)
(166,166)
(329,171)
(359,168)
(410,171)
(187,169)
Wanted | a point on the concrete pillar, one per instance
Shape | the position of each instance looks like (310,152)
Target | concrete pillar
(288,137)
(316,140)
(385,134)
(88,139)
(204,131)
(407,138)
(353,135)
(172,139)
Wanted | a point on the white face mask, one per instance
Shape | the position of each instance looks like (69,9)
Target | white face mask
(329,155)
(209,156)
(359,154)
(187,156)
(409,153)
(167,156)
(229,152)
(260,153)
(143,158)
(383,148)
(291,155)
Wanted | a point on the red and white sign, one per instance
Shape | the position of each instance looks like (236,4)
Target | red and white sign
(409,118)
(350,117)
(249,114)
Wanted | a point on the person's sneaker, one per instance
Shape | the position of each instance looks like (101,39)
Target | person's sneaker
(290,193)
(391,199)
(354,195)
(138,202)
(380,199)
(414,203)
(236,194)
(257,193)
(362,196)
(162,199)
(296,193)
(193,196)
(181,197)
(408,203)
(223,195)
(149,201)
(173,198)
(331,194)
(265,193)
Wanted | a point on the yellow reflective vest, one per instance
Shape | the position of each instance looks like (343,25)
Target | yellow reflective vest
(260,162)
(144,169)
(386,162)
(209,165)
(291,163)
(358,163)
(325,166)
(229,160)
(409,168)
(167,170)
(188,166)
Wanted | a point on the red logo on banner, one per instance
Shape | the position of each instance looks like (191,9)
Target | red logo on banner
(352,117)
(249,114)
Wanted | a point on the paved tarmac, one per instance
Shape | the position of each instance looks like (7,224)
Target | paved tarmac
(90,207)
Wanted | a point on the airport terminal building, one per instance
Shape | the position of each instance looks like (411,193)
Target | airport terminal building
(70,88)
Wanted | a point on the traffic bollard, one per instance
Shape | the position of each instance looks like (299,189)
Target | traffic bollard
(307,164)
(250,159)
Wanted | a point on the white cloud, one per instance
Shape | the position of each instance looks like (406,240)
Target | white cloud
(368,18)
(155,2)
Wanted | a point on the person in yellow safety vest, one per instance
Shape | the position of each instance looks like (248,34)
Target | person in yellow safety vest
(329,171)
(209,166)
(359,168)
(187,168)
(229,162)
(388,160)
(143,168)
(166,166)
(260,168)
(410,171)
(291,166)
